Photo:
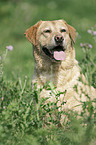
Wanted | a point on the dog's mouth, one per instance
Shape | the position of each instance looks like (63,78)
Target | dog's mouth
(57,53)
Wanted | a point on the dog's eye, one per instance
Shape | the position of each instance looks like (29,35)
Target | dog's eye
(63,30)
(47,31)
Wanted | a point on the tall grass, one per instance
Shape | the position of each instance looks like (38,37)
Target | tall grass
(25,119)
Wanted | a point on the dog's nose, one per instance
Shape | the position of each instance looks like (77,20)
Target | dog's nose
(59,38)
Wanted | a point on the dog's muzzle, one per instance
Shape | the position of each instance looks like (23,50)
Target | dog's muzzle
(57,53)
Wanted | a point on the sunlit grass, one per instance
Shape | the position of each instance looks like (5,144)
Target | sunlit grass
(15,18)
(26,118)
(20,120)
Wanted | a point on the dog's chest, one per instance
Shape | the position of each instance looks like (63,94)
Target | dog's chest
(62,79)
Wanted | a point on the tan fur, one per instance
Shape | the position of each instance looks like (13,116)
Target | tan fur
(64,74)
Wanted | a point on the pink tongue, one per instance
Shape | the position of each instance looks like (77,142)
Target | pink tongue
(59,55)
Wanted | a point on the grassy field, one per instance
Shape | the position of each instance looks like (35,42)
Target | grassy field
(23,122)
(16,17)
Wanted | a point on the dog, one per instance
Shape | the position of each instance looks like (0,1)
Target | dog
(55,61)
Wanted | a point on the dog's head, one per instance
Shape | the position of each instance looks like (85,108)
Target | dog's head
(53,38)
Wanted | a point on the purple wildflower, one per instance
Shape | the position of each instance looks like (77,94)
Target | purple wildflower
(10,47)
(0,57)
(81,44)
(90,46)
(89,31)
(94,33)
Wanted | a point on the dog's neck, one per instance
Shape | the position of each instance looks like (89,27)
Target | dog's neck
(60,73)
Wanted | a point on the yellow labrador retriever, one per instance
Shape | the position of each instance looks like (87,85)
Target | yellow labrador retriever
(55,61)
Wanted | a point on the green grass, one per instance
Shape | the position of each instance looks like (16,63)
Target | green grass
(23,122)
(25,119)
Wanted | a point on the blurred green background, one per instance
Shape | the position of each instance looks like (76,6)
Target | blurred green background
(18,15)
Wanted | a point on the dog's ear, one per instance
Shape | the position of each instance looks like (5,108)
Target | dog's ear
(71,32)
(30,33)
